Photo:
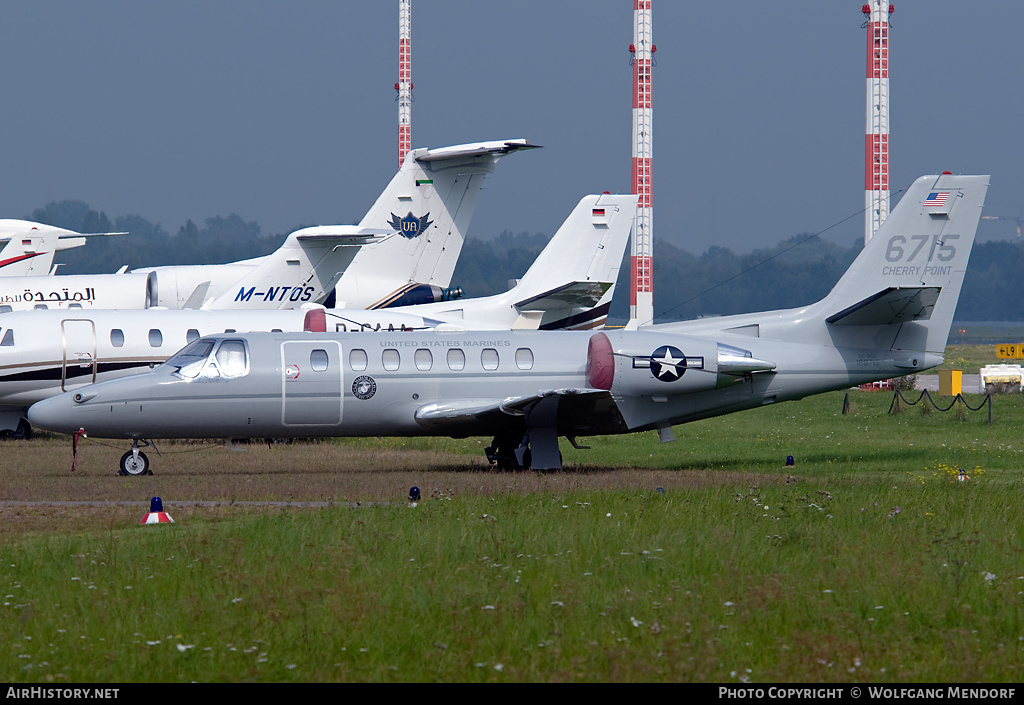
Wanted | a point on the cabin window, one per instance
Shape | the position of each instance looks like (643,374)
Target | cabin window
(5,309)
(74,305)
(524,359)
(390,359)
(117,338)
(357,359)
(489,358)
(423,359)
(231,358)
(456,359)
(156,338)
(8,339)
(192,335)
(318,360)
(40,307)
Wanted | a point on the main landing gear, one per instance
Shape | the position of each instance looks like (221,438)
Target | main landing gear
(21,432)
(135,462)
(509,452)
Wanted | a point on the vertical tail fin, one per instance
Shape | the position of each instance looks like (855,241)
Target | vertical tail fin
(31,246)
(569,285)
(572,281)
(367,262)
(910,273)
(302,270)
(429,203)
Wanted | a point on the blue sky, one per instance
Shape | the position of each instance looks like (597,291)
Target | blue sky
(285,112)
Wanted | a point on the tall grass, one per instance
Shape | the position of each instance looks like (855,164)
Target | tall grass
(836,581)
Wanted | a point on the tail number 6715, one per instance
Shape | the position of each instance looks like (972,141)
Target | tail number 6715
(941,250)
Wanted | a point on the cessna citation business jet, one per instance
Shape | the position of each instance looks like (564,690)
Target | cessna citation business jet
(569,286)
(889,315)
(403,251)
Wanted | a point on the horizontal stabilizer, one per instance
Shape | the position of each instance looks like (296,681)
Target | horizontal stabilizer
(475,149)
(344,234)
(890,306)
(67,242)
(573,294)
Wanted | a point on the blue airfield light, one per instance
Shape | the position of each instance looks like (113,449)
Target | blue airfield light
(157,515)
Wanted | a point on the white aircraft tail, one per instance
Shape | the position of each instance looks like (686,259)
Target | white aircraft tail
(303,270)
(570,284)
(30,246)
(376,260)
(429,203)
(911,271)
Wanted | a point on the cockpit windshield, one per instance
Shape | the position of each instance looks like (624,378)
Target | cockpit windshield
(207,359)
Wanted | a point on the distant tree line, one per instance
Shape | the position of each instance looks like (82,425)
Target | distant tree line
(146,245)
(794,272)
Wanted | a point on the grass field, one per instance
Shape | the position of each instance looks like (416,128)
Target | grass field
(702,560)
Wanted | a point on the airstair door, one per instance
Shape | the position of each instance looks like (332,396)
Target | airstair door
(78,350)
(311,393)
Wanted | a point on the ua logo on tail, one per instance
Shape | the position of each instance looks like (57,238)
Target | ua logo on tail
(410,226)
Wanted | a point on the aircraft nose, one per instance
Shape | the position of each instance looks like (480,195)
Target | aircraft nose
(53,414)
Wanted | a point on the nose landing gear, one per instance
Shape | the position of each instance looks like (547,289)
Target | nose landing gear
(135,462)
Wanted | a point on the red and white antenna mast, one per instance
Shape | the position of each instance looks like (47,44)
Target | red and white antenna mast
(876,165)
(641,299)
(404,85)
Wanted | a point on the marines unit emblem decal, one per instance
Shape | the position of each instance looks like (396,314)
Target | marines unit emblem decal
(364,387)
(411,226)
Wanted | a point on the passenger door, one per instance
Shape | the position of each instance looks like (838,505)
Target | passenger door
(311,392)
(78,351)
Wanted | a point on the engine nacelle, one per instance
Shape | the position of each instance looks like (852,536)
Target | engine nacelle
(88,291)
(176,284)
(413,294)
(656,364)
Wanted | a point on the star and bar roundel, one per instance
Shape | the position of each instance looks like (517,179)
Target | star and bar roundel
(668,363)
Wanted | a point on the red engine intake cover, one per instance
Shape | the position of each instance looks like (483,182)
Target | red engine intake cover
(600,362)
(315,321)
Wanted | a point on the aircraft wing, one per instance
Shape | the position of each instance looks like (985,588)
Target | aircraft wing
(580,294)
(454,413)
(345,234)
(889,306)
(474,149)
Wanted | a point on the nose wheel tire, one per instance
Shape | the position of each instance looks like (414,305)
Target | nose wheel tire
(132,465)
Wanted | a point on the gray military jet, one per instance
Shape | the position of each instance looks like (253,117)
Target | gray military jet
(889,315)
